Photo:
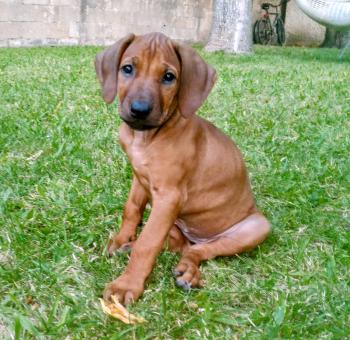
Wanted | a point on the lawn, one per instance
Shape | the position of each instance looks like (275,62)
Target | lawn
(64,180)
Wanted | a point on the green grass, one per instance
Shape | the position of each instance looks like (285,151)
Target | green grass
(64,180)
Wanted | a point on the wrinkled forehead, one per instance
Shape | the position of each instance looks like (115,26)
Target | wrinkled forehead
(152,49)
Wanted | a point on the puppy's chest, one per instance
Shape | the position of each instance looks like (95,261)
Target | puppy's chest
(141,164)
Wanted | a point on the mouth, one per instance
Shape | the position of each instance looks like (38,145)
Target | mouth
(139,124)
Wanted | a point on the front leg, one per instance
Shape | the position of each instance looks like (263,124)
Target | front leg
(132,215)
(130,285)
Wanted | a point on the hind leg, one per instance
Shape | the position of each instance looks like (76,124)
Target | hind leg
(176,242)
(245,236)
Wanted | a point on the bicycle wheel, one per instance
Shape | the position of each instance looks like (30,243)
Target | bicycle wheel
(263,31)
(255,33)
(281,35)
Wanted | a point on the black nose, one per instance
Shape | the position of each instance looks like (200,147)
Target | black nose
(140,109)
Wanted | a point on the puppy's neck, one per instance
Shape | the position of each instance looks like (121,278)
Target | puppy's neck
(175,123)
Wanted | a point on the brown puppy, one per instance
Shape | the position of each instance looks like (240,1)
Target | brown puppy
(191,173)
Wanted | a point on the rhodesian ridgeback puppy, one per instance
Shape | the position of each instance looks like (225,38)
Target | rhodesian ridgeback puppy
(191,173)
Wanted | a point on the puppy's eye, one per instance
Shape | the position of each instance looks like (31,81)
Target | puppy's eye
(168,78)
(127,69)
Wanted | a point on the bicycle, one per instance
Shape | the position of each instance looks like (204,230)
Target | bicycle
(265,31)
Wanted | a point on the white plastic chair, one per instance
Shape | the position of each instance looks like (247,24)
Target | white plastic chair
(331,13)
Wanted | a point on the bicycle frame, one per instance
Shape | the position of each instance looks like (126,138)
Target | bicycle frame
(267,13)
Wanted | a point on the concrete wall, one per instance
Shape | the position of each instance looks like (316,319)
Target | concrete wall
(300,29)
(100,22)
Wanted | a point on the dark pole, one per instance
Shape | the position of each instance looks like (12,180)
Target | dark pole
(284,9)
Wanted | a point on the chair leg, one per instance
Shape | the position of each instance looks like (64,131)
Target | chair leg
(344,49)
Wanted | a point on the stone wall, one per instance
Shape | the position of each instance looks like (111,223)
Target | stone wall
(101,22)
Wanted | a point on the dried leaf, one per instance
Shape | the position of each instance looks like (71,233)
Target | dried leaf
(118,311)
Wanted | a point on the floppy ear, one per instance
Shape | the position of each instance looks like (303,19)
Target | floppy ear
(197,79)
(107,66)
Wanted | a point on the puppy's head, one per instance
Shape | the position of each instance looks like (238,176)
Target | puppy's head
(153,76)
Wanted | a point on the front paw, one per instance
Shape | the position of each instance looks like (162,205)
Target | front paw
(126,288)
(120,242)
